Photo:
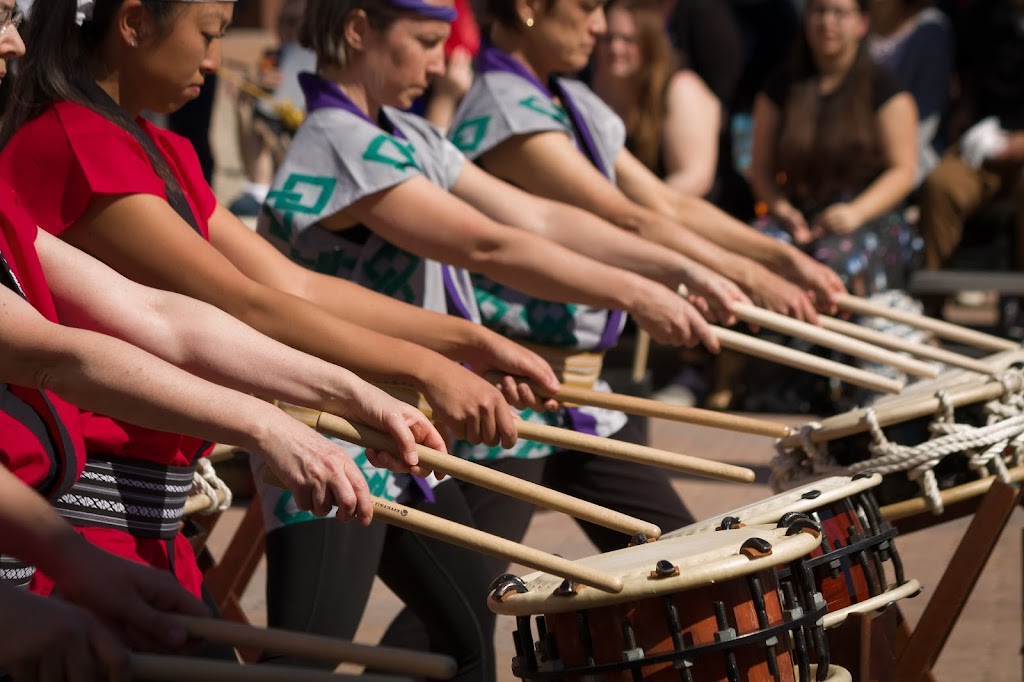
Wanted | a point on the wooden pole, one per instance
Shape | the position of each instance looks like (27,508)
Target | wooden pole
(161,668)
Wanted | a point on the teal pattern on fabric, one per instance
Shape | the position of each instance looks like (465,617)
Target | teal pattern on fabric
(391,151)
(545,106)
(391,271)
(468,136)
(517,316)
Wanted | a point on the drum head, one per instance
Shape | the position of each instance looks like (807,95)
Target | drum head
(701,559)
(803,499)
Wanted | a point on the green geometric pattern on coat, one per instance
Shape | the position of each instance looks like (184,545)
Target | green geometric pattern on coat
(544,322)
(545,106)
(468,136)
(288,201)
(390,271)
(389,151)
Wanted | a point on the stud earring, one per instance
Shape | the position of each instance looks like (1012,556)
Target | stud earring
(529,22)
(133,43)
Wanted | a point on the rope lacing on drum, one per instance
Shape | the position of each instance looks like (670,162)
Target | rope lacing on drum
(206,482)
(789,467)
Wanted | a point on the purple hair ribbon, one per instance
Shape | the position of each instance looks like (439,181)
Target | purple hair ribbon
(425,10)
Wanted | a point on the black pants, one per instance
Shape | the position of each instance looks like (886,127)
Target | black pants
(319,576)
(640,491)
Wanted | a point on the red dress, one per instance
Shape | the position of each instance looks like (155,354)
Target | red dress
(58,163)
(40,438)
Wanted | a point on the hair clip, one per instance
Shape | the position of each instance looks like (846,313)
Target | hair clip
(84,11)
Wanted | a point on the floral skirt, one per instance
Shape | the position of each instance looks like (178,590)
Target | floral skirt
(876,257)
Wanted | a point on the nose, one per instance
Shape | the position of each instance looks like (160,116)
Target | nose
(598,25)
(211,60)
(11,44)
(436,63)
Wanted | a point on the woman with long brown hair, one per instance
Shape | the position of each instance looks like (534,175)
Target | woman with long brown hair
(835,152)
(672,118)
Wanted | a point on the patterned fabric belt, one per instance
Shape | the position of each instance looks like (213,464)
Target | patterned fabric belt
(573,367)
(146,500)
(14,572)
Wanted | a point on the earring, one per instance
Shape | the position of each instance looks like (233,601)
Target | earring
(529,22)
(133,43)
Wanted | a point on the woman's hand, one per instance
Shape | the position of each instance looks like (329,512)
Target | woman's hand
(50,639)
(468,407)
(494,353)
(778,295)
(821,281)
(671,319)
(838,218)
(794,222)
(133,600)
(720,294)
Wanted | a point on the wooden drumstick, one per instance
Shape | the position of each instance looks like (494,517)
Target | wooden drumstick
(319,647)
(921,350)
(830,339)
(809,363)
(162,668)
(940,328)
(645,407)
(470,472)
(949,496)
(595,445)
(423,523)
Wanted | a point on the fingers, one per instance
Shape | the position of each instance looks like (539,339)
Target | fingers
(112,655)
(506,428)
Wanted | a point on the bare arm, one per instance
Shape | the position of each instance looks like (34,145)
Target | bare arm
(141,237)
(464,237)
(690,140)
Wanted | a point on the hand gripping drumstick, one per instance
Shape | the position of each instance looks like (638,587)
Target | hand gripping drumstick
(319,647)
(921,350)
(830,339)
(646,407)
(162,668)
(480,475)
(423,523)
(604,447)
(940,328)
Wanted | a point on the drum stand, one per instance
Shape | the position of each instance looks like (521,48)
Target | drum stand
(880,646)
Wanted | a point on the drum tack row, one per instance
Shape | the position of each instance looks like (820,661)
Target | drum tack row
(753,594)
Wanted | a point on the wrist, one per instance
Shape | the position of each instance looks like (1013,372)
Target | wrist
(67,552)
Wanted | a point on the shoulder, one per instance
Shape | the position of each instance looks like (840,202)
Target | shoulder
(686,85)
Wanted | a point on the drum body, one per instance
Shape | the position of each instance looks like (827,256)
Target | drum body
(704,609)
(856,567)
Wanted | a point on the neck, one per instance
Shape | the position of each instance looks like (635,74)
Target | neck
(345,78)
(111,81)
(835,65)
(509,41)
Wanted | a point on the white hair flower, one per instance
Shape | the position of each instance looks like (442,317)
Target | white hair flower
(84,11)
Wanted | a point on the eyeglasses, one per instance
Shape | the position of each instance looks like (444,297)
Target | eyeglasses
(11,16)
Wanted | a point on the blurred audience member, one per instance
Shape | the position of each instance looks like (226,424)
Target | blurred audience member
(835,152)
(913,40)
(672,118)
(988,121)
(462,46)
(706,34)
(271,112)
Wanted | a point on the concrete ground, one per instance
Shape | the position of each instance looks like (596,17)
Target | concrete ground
(985,644)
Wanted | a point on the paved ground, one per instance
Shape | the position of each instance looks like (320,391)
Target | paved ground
(985,644)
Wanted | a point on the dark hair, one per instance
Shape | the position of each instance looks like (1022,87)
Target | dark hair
(54,70)
(323,26)
(822,152)
(504,12)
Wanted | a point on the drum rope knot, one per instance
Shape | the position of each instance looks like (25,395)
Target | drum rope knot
(206,482)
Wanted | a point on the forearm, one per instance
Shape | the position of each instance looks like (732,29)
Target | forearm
(884,194)
(717,226)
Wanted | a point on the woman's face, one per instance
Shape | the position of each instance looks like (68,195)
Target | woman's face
(168,68)
(835,27)
(565,34)
(400,61)
(618,52)
(11,46)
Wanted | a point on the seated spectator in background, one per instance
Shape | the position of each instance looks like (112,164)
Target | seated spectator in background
(267,123)
(986,163)
(835,152)
(913,41)
(672,118)
(706,34)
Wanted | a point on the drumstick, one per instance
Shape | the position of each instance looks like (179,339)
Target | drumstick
(949,496)
(423,523)
(830,339)
(809,363)
(645,407)
(480,475)
(849,423)
(921,350)
(595,445)
(940,328)
(319,647)
(161,668)
(640,356)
